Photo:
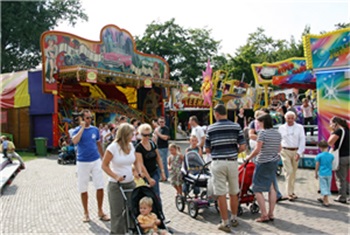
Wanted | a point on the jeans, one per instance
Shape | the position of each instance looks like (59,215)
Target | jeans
(156,176)
(164,155)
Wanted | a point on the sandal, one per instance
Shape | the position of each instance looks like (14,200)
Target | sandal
(263,219)
(320,200)
(86,219)
(294,196)
(271,218)
(104,217)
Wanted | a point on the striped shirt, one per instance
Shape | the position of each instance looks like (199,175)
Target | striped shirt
(271,145)
(223,138)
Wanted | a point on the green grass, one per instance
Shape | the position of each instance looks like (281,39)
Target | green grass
(27,156)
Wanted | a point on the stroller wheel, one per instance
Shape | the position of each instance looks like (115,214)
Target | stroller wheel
(240,210)
(254,208)
(193,209)
(180,203)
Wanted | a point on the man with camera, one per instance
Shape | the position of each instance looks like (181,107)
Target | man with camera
(87,139)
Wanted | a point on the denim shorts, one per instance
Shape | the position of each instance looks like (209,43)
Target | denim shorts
(325,185)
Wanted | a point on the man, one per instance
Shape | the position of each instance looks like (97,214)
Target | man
(87,139)
(163,135)
(224,140)
(197,131)
(289,106)
(293,146)
(10,149)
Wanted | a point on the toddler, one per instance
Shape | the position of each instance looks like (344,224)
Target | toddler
(175,160)
(148,220)
(194,145)
(323,171)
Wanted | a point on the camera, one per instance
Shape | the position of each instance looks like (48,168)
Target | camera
(76,116)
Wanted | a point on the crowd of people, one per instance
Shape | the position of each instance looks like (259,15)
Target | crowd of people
(130,151)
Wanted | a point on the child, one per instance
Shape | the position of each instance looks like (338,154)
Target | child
(194,145)
(175,160)
(148,220)
(4,146)
(323,171)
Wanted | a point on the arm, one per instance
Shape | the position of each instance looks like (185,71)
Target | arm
(163,137)
(202,141)
(160,165)
(301,147)
(76,138)
(105,167)
(332,139)
(252,134)
(317,166)
(200,152)
(255,151)
(100,149)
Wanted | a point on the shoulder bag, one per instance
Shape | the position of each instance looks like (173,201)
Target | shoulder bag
(335,163)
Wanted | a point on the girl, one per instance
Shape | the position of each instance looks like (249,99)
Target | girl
(175,160)
(194,145)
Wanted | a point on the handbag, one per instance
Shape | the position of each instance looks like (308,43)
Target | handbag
(335,163)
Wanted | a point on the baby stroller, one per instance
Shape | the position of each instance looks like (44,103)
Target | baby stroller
(195,174)
(67,155)
(133,208)
(246,195)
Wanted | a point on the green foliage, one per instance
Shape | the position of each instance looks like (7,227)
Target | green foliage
(186,50)
(342,25)
(23,22)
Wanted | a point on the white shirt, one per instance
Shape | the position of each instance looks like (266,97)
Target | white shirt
(307,111)
(198,131)
(293,137)
(104,133)
(121,163)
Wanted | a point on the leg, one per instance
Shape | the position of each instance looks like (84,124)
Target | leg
(164,155)
(288,169)
(261,202)
(99,197)
(294,172)
(223,207)
(15,155)
(234,204)
(84,200)
(272,201)
(342,173)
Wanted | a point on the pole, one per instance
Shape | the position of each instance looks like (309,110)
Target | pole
(266,98)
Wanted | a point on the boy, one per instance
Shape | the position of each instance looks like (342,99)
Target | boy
(323,171)
(148,220)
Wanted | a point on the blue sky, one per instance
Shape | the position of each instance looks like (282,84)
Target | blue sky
(230,21)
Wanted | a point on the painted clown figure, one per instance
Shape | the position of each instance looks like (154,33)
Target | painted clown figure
(207,86)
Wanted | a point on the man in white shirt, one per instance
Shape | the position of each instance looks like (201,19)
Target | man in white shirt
(197,131)
(293,146)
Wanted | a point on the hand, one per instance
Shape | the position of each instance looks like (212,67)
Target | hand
(163,176)
(119,178)
(82,123)
(152,182)
(297,157)
(316,176)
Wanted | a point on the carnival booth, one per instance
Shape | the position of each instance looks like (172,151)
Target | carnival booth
(14,106)
(329,56)
(109,77)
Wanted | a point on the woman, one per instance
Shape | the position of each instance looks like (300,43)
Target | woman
(340,127)
(264,179)
(117,163)
(241,119)
(147,153)
(254,129)
(307,111)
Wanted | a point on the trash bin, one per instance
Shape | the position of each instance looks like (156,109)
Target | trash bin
(41,146)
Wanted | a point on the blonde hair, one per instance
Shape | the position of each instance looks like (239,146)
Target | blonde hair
(146,201)
(144,127)
(258,113)
(123,136)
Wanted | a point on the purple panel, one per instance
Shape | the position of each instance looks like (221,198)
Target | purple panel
(40,102)
(42,127)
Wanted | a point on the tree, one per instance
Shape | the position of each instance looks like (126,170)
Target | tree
(23,22)
(342,25)
(186,50)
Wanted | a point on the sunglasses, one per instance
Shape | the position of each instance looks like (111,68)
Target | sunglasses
(147,135)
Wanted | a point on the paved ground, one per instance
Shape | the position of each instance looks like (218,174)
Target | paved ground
(44,199)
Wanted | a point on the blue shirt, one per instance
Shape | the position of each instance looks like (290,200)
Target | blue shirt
(87,147)
(325,159)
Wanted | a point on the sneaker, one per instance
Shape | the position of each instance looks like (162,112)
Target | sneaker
(225,228)
(234,223)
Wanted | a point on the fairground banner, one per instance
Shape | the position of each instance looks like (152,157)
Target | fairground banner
(115,52)
(327,50)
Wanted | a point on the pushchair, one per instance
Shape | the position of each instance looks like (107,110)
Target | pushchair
(131,208)
(195,174)
(246,195)
(67,155)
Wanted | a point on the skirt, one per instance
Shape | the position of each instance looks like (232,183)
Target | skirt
(264,176)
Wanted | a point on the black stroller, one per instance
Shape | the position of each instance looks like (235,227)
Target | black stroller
(67,155)
(132,208)
(195,174)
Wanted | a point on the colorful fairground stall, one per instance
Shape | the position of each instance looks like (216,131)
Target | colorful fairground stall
(329,57)
(109,77)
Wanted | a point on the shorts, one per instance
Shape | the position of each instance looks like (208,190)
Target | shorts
(325,185)
(87,169)
(223,173)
